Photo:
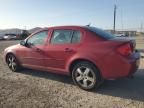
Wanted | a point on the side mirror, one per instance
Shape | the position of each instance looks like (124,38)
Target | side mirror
(23,43)
(30,44)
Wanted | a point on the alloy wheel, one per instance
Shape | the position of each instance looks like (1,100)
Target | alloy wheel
(11,61)
(85,77)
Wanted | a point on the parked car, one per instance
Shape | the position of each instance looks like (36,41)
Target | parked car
(1,38)
(120,35)
(88,54)
(9,37)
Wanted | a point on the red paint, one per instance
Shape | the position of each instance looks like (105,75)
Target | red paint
(114,58)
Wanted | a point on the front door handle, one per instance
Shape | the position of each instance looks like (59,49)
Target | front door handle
(68,50)
(38,50)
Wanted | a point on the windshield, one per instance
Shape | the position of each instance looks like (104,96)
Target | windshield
(100,32)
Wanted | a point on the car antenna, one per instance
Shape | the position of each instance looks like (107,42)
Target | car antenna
(88,25)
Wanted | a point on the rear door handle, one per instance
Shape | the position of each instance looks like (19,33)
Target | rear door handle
(68,50)
(38,50)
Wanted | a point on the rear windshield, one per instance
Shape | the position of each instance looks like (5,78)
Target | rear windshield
(100,32)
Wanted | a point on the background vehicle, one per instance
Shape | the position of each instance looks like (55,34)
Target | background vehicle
(86,53)
(9,36)
(1,38)
(120,35)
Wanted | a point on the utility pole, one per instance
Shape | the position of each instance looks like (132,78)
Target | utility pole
(141,27)
(115,7)
(24,27)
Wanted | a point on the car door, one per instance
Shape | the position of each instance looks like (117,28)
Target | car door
(33,55)
(63,44)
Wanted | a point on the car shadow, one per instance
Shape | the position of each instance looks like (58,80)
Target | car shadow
(124,88)
(47,75)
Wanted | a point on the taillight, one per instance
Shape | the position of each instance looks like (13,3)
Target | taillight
(133,45)
(125,50)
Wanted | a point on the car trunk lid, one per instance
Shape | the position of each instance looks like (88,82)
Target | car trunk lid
(125,46)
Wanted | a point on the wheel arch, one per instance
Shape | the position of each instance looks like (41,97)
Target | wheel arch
(8,53)
(74,62)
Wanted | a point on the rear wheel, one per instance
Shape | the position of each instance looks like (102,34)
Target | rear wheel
(12,62)
(86,75)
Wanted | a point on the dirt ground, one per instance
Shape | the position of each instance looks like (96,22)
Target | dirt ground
(35,89)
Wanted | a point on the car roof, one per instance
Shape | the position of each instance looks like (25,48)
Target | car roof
(65,26)
(61,27)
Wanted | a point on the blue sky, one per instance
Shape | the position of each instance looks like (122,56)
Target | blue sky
(44,13)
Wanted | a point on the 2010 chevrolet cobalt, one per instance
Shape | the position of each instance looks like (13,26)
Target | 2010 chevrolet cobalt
(88,54)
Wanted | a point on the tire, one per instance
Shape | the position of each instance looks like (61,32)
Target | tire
(86,75)
(12,63)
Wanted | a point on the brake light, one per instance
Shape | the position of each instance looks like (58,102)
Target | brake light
(133,45)
(125,50)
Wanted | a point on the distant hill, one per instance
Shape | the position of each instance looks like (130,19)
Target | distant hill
(34,29)
(17,31)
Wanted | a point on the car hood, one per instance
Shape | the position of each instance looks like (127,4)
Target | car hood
(12,47)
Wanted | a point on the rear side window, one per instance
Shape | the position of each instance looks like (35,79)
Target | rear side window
(76,37)
(66,36)
(100,32)
(61,36)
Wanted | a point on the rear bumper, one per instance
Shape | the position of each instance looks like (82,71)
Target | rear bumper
(134,62)
(115,66)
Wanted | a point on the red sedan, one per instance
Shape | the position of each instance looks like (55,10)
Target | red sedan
(88,54)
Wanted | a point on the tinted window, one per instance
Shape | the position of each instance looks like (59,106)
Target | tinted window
(100,32)
(76,37)
(38,38)
(61,37)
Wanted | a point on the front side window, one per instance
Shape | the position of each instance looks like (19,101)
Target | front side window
(61,36)
(38,38)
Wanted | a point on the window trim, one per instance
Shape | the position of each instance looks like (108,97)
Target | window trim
(80,37)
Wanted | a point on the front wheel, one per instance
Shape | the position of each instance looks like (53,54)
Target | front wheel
(85,75)
(12,62)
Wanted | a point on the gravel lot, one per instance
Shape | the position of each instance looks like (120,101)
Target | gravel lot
(35,89)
